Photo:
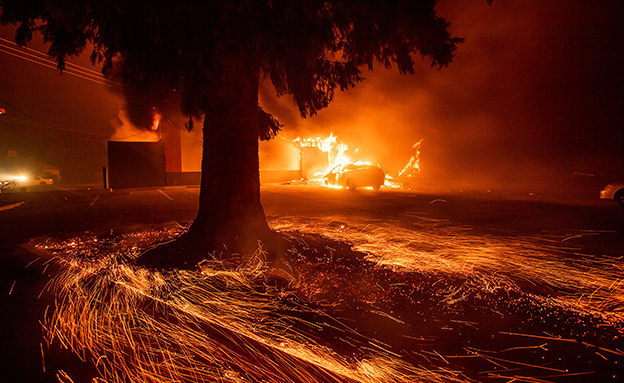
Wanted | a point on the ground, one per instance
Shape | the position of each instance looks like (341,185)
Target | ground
(388,286)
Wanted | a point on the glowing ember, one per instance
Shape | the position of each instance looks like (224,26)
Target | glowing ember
(589,284)
(212,325)
(224,325)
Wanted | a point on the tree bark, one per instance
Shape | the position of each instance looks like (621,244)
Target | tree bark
(230,213)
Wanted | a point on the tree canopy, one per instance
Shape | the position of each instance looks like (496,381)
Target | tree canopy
(208,56)
(307,49)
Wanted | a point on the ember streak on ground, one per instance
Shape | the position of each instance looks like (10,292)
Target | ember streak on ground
(410,304)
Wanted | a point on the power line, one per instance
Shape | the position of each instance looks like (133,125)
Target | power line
(25,51)
(94,135)
(45,56)
(52,66)
(36,122)
(42,59)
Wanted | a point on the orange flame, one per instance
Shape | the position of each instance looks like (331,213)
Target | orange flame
(336,149)
(412,168)
(156,121)
(126,131)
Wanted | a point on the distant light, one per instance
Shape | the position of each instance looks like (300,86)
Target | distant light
(2,111)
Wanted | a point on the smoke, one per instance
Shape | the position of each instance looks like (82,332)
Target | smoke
(126,130)
(379,125)
(139,117)
(139,113)
(530,99)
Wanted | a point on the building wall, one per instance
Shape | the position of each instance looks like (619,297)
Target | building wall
(136,164)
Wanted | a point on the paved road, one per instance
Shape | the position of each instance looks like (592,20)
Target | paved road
(28,215)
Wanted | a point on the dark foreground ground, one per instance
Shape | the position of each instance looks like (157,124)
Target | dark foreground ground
(493,288)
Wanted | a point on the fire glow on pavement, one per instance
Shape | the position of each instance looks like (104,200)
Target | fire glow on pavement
(234,325)
(583,282)
(212,325)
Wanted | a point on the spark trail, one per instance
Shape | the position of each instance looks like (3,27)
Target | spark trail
(222,324)
(215,324)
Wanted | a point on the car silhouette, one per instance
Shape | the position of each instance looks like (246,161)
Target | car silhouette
(352,176)
(25,183)
(36,180)
(615,192)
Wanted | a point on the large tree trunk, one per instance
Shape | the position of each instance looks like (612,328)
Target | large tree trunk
(230,219)
(230,213)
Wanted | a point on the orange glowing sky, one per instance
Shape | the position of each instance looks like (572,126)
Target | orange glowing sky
(533,95)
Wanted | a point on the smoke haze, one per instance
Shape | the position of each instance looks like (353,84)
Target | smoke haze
(532,97)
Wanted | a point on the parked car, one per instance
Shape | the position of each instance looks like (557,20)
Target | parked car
(615,192)
(34,181)
(6,185)
(25,183)
(352,176)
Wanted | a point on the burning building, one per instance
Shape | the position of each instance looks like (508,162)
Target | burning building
(152,157)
